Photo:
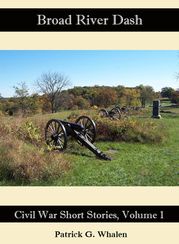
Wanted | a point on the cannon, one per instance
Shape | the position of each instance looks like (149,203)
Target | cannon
(114,113)
(83,131)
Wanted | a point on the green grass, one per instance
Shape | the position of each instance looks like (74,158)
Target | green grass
(133,164)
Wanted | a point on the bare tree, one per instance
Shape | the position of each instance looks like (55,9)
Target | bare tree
(51,84)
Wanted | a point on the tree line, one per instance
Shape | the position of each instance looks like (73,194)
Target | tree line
(52,96)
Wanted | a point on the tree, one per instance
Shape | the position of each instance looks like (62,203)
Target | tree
(44,104)
(51,85)
(66,100)
(105,96)
(167,92)
(81,102)
(175,97)
(22,93)
(129,97)
(147,94)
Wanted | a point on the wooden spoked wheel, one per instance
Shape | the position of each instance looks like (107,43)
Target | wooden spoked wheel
(115,113)
(103,113)
(89,127)
(55,135)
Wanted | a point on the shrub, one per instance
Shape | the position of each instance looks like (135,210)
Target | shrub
(131,130)
(127,129)
(23,157)
(23,163)
(29,132)
(1,114)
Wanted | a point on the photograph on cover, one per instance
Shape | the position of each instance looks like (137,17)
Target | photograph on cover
(89,118)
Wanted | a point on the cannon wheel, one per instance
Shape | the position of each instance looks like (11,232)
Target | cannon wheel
(118,107)
(103,113)
(55,135)
(115,113)
(89,127)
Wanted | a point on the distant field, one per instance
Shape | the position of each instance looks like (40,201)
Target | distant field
(133,163)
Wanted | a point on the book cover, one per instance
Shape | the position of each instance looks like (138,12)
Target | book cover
(89,122)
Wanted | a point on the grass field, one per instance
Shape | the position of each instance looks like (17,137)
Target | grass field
(133,164)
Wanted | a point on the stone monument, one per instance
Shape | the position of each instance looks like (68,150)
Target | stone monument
(156,109)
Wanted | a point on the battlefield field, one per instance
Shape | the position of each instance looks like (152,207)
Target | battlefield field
(144,151)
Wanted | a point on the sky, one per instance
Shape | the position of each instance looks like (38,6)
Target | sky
(157,68)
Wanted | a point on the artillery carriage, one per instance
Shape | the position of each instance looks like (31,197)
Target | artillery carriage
(114,113)
(83,131)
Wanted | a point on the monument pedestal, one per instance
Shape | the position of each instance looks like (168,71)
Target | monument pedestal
(156,110)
